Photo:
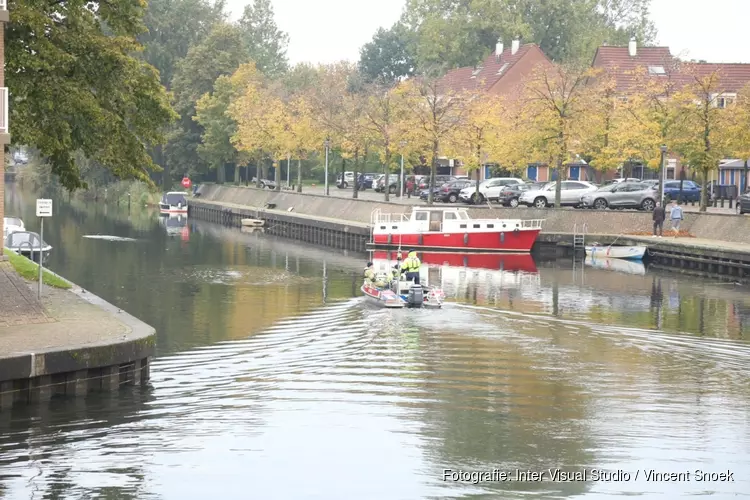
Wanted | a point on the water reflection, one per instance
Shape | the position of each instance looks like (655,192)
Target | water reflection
(268,356)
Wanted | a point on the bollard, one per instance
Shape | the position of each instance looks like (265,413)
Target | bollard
(722,203)
(730,202)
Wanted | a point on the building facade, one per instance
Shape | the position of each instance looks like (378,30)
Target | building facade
(4,129)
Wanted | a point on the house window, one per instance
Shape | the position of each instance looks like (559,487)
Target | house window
(656,70)
(724,101)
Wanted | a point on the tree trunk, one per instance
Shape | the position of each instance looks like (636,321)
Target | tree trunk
(558,183)
(387,168)
(277,174)
(259,169)
(299,174)
(355,189)
(479,168)
(704,190)
(433,172)
(221,173)
(236,173)
(744,183)
(343,171)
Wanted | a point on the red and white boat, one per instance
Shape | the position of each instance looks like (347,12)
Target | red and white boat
(383,296)
(452,229)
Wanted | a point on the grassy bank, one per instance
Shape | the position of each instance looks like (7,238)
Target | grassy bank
(30,270)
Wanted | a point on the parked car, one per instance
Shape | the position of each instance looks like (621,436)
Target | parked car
(512,192)
(424,182)
(690,191)
(366,180)
(619,180)
(488,190)
(571,194)
(743,203)
(264,183)
(449,191)
(392,183)
(348,180)
(622,195)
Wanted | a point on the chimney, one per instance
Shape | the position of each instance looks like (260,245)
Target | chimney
(498,49)
(515,46)
(632,47)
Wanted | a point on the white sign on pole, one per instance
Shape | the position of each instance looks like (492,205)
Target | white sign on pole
(43,208)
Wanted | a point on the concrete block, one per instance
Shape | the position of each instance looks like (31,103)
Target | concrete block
(7,395)
(40,390)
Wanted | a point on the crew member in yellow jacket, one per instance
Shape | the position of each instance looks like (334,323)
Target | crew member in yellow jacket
(411,266)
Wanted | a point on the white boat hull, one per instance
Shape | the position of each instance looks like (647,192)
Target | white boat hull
(629,266)
(633,252)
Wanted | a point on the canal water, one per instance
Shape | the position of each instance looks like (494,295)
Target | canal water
(275,379)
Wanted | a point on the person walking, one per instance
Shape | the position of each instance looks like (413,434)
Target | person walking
(658,216)
(676,217)
(409,187)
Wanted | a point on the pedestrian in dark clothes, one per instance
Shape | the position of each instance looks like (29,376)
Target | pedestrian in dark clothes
(659,215)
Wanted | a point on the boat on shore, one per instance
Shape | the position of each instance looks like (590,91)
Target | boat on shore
(452,229)
(174,202)
(28,244)
(635,252)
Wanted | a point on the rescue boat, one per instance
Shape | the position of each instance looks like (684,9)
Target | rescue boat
(452,229)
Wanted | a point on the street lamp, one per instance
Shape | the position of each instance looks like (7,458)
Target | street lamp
(328,145)
(401,181)
(662,173)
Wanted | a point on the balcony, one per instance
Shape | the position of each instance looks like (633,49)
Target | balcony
(4,128)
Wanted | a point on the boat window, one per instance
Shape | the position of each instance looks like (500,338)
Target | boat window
(462,226)
(476,226)
(490,226)
(174,199)
(463,215)
(23,240)
(420,216)
(13,221)
(382,227)
(394,227)
(450,216)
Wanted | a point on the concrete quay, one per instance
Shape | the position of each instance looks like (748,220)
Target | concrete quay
(720,244)
(68,344)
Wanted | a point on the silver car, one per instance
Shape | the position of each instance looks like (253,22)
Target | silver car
(622,195)
(570,194)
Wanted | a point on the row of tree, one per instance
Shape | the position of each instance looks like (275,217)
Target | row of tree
(119,82)
(562,112)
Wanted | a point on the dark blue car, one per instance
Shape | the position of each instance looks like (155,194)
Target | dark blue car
(690,190)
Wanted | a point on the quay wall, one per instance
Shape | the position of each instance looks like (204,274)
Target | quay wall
(722,227)
(80,366)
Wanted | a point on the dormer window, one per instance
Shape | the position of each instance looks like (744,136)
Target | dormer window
(503,68)
(724,101)
(476,72)
(657,70)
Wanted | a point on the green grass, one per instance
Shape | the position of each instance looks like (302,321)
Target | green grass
(30,270)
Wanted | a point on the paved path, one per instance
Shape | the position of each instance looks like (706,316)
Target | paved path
(18,304)
(72,322)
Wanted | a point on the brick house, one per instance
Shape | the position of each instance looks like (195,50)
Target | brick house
(658,62)
(501,73)
(4,130)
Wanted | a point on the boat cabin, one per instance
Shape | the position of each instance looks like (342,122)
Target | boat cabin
(174,199)
(444,219)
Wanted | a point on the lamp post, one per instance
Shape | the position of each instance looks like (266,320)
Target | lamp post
(327,144)
(662,173)
(401,180)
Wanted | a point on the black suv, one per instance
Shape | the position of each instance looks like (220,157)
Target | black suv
(448,192)
(439,181)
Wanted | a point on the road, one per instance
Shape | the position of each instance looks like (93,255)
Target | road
(371,195)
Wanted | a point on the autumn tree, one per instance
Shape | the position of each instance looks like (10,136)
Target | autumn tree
(703,127)
(353,125)
(478,138)
(739,130)
(433,114)
(556,107)
(219,127)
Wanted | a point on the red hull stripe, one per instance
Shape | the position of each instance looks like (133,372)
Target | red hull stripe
(509,241)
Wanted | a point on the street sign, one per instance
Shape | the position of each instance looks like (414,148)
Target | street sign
(186,183)
(43,208)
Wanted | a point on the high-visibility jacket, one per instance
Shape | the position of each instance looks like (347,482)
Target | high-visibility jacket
(411,264)
(369,273)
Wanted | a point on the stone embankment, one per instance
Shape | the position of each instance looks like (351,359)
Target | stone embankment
(68,344)
(720,242)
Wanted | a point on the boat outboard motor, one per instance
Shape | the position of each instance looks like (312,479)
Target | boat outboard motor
(416,296)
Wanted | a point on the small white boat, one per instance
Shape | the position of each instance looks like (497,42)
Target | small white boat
(618,265)
(11,225)
(174,202)
(635,252)
(27,244)
(383,296)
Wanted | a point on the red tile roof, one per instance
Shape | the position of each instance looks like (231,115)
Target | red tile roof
(618,62)
(487,74)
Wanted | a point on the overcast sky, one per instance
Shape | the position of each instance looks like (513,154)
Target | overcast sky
(324,31)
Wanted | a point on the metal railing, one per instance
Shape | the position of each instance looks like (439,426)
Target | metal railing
(532,223)
(4,129)
(377,217)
